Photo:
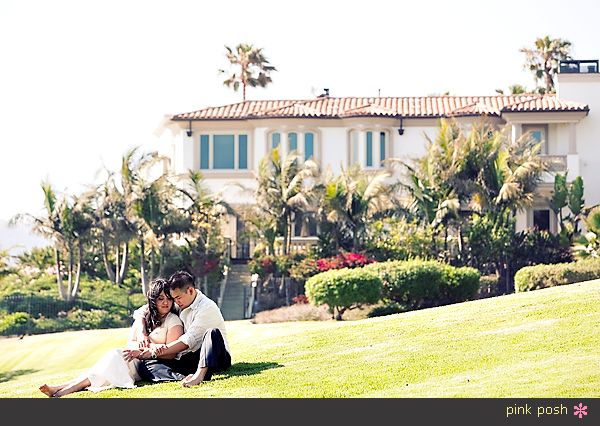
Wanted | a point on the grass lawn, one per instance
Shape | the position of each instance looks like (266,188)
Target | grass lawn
(543,343)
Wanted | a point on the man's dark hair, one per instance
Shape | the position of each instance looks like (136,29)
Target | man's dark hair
(181,280)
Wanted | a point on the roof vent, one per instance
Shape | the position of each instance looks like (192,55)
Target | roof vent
(325,94)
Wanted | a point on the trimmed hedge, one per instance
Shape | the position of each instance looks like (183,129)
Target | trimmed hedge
(343,289)
(543,276)
(425,283)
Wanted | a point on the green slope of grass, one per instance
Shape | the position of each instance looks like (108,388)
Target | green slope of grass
(537,344)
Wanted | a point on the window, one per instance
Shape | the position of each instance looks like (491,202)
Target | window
(539,134)
(309,146)
(292,142)
(303,143)
(275,140)
(224,152)
(368,148)
(541,220)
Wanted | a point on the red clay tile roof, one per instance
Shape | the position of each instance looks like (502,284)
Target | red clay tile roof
(413,107)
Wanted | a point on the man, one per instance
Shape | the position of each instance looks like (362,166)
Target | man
(201,351)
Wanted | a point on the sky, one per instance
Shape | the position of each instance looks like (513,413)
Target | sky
(81,82)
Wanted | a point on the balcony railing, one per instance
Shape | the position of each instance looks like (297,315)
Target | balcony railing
(561,164)
(578,67)
(298,245)
(556,163)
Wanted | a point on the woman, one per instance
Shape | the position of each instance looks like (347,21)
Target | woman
(112,370)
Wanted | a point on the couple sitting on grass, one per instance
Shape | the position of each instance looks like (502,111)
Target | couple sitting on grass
(188,344)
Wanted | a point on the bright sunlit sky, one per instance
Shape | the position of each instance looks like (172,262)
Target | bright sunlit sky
(83,81)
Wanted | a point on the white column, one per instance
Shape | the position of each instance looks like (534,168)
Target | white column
(362,148)
(572,139)
(517,130)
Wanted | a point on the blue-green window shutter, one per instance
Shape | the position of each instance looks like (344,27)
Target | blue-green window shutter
(204,152)
(369,149)
(309,145)
(243,152)
(382,146)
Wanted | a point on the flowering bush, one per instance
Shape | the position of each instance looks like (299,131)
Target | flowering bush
(300,299)
(343,260)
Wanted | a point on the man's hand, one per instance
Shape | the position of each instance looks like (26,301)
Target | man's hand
(129,354)
(160,349)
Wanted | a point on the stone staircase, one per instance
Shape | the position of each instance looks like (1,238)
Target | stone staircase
(238,280)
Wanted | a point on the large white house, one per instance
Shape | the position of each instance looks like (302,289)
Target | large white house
(227,142)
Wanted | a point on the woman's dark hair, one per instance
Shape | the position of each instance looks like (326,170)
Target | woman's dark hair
(152,317)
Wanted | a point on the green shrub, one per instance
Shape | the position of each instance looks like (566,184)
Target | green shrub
(388,308)
(488,286)
(424,283)
(343,289)
(459,284)
(543,276)
(15,323)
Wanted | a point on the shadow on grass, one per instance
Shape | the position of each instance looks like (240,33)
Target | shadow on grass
(9,375)
(248,368)
(237,369)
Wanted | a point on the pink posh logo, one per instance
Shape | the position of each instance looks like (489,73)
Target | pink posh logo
(580,410)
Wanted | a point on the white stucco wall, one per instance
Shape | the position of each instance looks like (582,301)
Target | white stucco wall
(585,88)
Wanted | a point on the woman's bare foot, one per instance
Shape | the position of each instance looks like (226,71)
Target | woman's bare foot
(49,390)
(194,379)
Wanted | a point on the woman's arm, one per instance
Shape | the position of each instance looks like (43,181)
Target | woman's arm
(172,335)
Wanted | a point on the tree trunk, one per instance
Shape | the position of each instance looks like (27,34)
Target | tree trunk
(161,260)
(78,275)
(152,263)
(71,265)
(143,276)
(117,256)
(61,289)
(107,266)
(124,264)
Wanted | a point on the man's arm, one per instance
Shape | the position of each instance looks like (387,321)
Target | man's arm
(173,348)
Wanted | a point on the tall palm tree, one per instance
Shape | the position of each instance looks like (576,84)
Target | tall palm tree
(113,229)
(283,190)
(68,225)
(138,195)
(249,66)
(354,197)
(544,58)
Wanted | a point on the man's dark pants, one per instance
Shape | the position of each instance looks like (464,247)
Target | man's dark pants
(212,354)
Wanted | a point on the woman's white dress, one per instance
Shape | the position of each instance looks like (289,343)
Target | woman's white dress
(113,371)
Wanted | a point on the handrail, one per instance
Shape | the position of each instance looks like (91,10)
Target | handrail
(223,285)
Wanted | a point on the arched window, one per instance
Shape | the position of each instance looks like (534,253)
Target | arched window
(369,148)
(302,142)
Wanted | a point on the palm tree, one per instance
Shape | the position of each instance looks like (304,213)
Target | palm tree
(139,197)
(112,227)
(250,68)
(283,190)
(202,212)
(67,225)
(543,60)
(353,198)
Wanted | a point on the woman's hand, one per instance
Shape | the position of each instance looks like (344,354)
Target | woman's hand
(144,342)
